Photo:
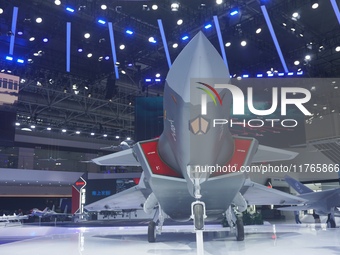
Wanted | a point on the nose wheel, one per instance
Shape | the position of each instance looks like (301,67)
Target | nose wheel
(152,232)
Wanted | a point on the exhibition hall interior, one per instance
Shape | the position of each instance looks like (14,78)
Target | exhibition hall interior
(169,126)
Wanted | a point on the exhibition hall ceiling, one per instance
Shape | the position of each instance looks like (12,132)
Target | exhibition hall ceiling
(67,55)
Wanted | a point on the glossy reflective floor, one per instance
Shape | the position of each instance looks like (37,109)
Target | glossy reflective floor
(266,239)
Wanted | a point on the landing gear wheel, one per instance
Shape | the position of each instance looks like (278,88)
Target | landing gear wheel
(332,223)
(198,216)
(152,232)
(239,229)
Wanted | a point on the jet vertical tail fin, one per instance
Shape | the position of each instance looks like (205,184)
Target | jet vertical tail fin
(297,186)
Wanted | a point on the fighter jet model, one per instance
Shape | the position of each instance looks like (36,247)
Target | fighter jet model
(14,217)
(49,213)
(174,180)
(124,145)
(325,203)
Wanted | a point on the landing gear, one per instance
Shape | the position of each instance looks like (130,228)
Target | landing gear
(239,229)
(152,232)
(198,215)
(153,228)
(235,222)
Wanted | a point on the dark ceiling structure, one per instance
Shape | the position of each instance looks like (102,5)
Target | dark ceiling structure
(87,93)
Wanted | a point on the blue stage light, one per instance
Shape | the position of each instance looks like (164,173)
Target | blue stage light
(234,11)
(299,73)
(207,26)
(186,37)
(129,32)
(147,80)
(245,76)
(259,75)
(270,75)
(9,58)
(281,74)
(21,61)
(101,21)
(157,80)
(290,74)
(69,9)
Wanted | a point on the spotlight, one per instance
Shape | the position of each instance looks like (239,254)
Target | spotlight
(152,39)
(103,7)
(185,37)
(45,40)
(258,30)
(179,22)
(101,21)
(207,26)
(38,20)
(295,16)
(129,32)
(57,2)
(175,45)
(69,9)
(227,44)
(174,6)
(337,49)
(314,4)
(219,1)
(234,11)
(122,47)
(243,43)
(154,7)
(296,62)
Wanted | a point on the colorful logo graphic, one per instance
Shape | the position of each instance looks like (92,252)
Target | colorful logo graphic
(210,91)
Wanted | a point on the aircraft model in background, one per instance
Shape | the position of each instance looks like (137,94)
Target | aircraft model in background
(325,203)
(174,180)
(14,217)
(124,145)
(49,213)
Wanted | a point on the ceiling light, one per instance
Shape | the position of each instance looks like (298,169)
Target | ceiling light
(123,72)
(122,47)
(258,30)
(152,39)
(92,133)
(228,44)
(337,49)
(207,26)
(219,1)
(64,130)
(89,55)
(31,39)
(154,7)
(87,35)
(315,4)
(38,20)
(77,132)
(174,6)
(243,43)
(158,75)
(234,11)
(1,11)
(145,7)
(69,9)
(175,45)
(185,37)
(307,57)
(103,7)
(129,32)
(101,21)
(296,62)
(49,128)
(45,40)
(179,22)
(117,136)
(295,16)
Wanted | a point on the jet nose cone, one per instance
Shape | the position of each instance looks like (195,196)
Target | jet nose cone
(199,59)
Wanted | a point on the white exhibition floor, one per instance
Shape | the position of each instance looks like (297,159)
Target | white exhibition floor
(265,239)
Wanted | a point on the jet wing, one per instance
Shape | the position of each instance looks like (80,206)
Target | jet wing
(121,158)
(132,198)
(321,196)
(269,154)
(257,194)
